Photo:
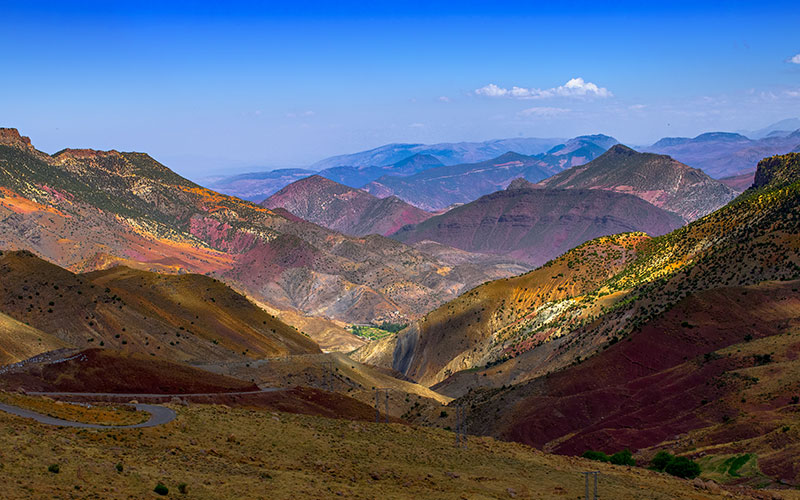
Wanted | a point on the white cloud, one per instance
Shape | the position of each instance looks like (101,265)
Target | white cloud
(492,90)
(444,98)
(576,87)
(543,111)
(795,59)
(417,125)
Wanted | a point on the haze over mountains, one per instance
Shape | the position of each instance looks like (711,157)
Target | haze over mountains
(721,154)
(400,169)
(437,188)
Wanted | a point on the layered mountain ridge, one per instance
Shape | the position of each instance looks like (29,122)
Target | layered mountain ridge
(344,209)
(82,208)
(658,179)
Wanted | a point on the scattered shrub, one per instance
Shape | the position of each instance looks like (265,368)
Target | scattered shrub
(596,455)
(683,467)
(119,467)
(182,488)
(161,489)
(54,468)
(661,460)
(624,457)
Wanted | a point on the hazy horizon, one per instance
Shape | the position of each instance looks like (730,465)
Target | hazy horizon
(216,90)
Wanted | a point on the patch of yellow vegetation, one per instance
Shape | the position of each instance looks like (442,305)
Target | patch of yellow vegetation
(444,271)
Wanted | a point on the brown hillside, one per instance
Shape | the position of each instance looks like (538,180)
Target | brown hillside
(19,341)
(105,370)
(492,321)
(722,363)
(180,317)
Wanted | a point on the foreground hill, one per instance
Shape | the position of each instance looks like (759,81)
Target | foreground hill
(536,225)
(82,209)
(721,154)
(721,365)
(344,209)
(219,452)
(437,188)
(658,179)
(179,317)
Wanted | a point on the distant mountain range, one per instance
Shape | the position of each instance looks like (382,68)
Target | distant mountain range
(620,191)
(448,153)
(439,187)
(722,154)
(344,209)
(783,127)
(399,160)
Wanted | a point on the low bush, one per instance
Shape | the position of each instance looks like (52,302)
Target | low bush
(683,467)
(660,461)
(596,455)
(624,457)
(160,489)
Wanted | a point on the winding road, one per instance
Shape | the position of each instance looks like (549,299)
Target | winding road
(159,415)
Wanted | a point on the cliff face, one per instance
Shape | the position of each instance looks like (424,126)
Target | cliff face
(776,171)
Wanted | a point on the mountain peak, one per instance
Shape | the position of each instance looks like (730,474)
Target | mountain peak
(720,136)
(419,159)
(12,137)
(84,154)
(510,156)
(621,149)
(520,183)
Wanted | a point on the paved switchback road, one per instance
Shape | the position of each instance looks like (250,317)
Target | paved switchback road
(159,415)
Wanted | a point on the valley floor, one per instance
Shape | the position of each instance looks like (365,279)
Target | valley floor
(218,452)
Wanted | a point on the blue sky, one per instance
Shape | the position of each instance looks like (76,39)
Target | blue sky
(224,87)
